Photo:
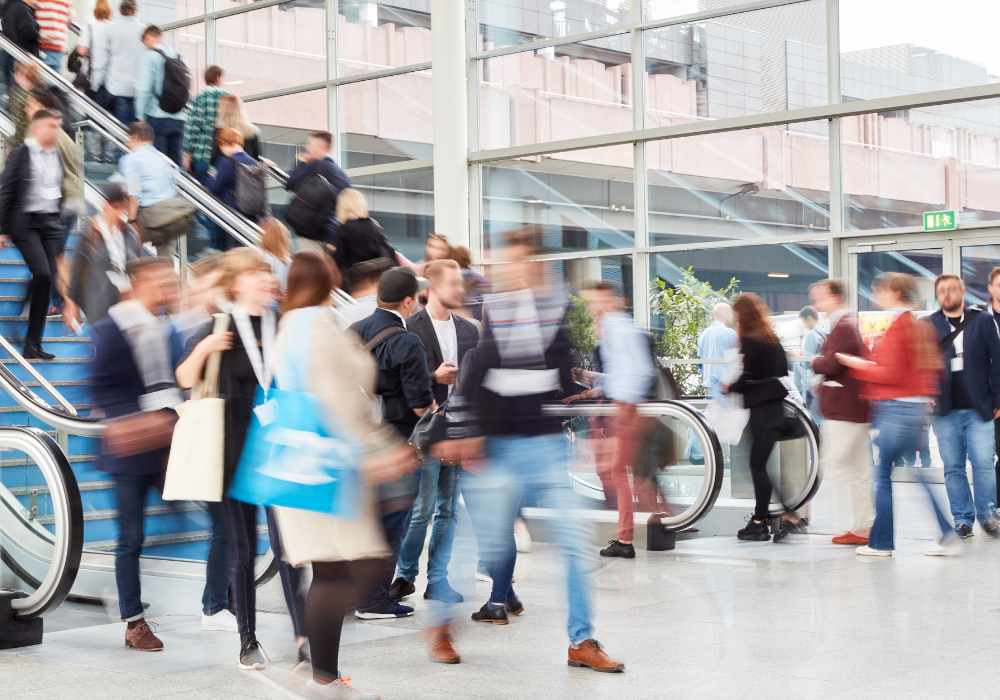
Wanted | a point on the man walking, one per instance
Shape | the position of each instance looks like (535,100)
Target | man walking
(446,338)
(316,160)
(712,345)
(154,92)
(846,450)
(967,406)
(200,126)
(53,19)
(812,345)
(117,66)
(149,179)
(31,198)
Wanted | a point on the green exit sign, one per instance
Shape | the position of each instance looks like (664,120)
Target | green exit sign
(940,221)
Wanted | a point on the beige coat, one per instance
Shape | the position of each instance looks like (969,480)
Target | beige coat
(340,368)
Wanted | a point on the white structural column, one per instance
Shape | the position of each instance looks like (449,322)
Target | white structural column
(640,260)
(451,167)
(836,152)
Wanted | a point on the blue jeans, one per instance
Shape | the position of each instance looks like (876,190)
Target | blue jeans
(130,492)
(53,59)
(168,135)
(962,433)
(122,108)
(438,492)
(898,423)
(216,596)
(537,464)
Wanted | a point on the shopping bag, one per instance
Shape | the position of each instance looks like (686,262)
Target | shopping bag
(727,417)
(195,467)
(291,458)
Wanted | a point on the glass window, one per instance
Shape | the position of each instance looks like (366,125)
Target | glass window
(559,92)
(404,204)
(753,183)
(898,165)
(378,35)
(286,121)
(189,42)
(386,120)
(164,11)
(924,265)
(513,22)
(580,200)
(890,48)
(977,262)
(749,63)
(575,274)
(276,47)
(665,9)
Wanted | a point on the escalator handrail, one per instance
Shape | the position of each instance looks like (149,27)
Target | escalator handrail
(67,542)
(63,403)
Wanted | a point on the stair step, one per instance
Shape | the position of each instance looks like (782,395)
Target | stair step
(112,513)
(164,539)
(25,462)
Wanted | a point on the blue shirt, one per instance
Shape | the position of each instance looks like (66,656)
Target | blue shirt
(626,361)
(149,84)
(712,345)
(148,175)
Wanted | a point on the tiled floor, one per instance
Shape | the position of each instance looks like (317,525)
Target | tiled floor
(715,618)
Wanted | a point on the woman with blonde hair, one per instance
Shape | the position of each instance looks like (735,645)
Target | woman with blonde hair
(277,244)
(359,237)
(231,113)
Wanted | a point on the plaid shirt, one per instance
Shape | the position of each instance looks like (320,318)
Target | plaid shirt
(201,124)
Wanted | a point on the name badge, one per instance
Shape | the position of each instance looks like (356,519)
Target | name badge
(957,364)
(267,412)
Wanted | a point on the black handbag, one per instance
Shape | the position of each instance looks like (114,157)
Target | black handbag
(430,429)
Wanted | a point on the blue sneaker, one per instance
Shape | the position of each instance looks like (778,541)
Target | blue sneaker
(440,590)
(386,609)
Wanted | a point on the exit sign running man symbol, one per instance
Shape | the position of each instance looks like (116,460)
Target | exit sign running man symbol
(940,221)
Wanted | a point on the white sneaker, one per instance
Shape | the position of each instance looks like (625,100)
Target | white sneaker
(949,546)
(222,621)
(340,689)
(522,538)
(867,551)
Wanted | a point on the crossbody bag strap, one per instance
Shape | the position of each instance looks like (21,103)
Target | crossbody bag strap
(208,387)
(384,335)
(950,338)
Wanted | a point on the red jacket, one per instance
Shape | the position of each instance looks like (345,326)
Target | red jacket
(894,374)
(844,402)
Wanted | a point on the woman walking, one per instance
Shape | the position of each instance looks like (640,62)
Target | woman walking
(901,381)
(245,279)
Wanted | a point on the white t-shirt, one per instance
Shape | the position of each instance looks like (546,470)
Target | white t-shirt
(448,341)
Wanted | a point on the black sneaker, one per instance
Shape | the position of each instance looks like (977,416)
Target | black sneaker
(787,528)
(514,606)
(497,617)
(35,352)
(385,610)
(964,531)
(441,590)
(252,656)
(304,660)
(617,549)
(991,528)
(401,588)
(756,532)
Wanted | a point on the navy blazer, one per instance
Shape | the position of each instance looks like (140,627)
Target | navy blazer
(981,364)
(117,386)
(423,326)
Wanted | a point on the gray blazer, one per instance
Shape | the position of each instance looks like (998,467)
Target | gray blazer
(89,285)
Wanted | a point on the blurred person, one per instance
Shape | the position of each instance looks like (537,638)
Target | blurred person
(436,248)
(31,199)
(27,78)
(901,381)
(246,281)
(404,385)
(98,278)
(20,25)
(968,402)
(223,185)
(713,343)
(276,244)
(148,177)
(364,290)
(764,365)
(446,338)
(358,238)
(116,64)
(199,129)
(231,113)
(845,451)
(812,345)
(346,555)
(131,364)
(497,428)
(316,160)
(476,285)
(93,48)
(994,310)
(53,18)
(151,86)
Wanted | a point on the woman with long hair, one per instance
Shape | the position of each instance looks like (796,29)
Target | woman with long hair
(764,365)
(231,113)
(901,380)
(359,238)
(346,554)
(276,244)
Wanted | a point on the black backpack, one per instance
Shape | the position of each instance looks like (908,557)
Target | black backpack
(309,210)
(249,193)
(176,84)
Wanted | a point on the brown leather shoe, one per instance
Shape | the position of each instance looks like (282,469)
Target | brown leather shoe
(439,645)
(141,637)
(591,654)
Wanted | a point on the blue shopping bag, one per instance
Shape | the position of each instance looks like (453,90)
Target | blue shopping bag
(292,459)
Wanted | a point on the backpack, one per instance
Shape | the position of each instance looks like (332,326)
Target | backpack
(249,195)
(310,208)
(176,84)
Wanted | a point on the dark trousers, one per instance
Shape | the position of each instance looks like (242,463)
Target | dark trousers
(215,598)
(335,584)
(168,134)
(130,492)
(996,437)
(40,244)
(219,238)
(394,526)
(122,108)
(241,539)
(766,423)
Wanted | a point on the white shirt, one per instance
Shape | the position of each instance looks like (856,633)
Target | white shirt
(45,189)
(447,338)
(93,38)
(117,65)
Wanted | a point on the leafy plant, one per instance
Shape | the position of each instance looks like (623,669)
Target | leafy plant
(581,327)
(687,311)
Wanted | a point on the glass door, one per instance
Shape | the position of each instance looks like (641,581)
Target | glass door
(923,259)
(976,258)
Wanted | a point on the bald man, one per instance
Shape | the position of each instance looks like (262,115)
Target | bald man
(713,343)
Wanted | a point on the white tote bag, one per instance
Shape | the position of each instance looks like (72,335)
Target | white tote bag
(195,467)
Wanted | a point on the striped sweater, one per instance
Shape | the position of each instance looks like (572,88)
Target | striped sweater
(53,17)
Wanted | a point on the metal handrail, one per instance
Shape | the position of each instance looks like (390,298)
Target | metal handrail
(36,375)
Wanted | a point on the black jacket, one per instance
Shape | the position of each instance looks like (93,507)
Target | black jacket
(251,147)
(14,185)
(20,26)
(357,241)
(763,366)
(423,326)
(980,366)
(403,381)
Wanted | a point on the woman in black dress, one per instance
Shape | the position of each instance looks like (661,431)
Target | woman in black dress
(247,348)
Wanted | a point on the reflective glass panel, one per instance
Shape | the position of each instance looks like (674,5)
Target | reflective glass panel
(161,11)
(753,183)
(977,262)
(580,200)
(286,121)
(665,9)
(923,265)
(189,42)
(404,204)
(513,22)
(386,120)
(378,35)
